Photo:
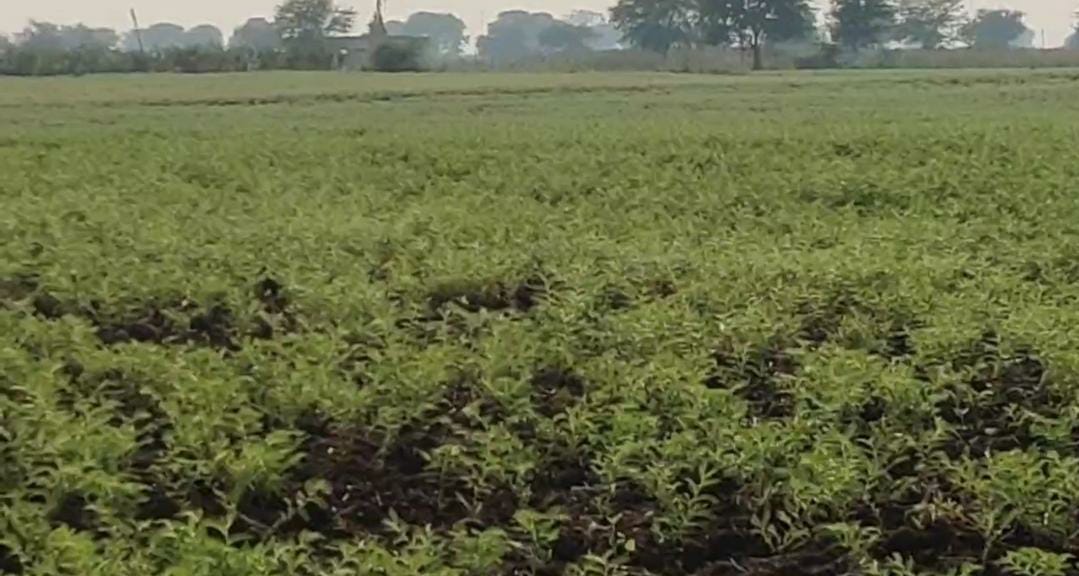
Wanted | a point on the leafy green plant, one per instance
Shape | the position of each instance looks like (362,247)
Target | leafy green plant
(625,324)
(1036,562)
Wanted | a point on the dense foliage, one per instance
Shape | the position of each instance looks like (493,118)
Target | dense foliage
(310,20)
(655,25)
(996,29)
(857,24)
(477,325)
(445,31)
(854,25)
(660,25)
(398,57)
(931,24)
(687,35)
(517,35)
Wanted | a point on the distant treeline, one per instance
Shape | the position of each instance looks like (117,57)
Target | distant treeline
(852,26)
(304,34)
(692,35)
(48,49)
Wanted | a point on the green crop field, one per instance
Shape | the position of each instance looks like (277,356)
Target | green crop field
(480,325)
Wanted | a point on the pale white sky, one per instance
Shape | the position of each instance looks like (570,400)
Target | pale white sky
(1053,16)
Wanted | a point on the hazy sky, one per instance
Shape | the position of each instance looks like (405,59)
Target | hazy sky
(1054,16)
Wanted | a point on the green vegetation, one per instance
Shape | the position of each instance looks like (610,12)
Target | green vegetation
(697,36)
(324,324)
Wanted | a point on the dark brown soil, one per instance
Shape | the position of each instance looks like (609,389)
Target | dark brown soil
(262,515)
(152,324)
(557,479)
(873,410)
(817,560)
(494,297)
(49,307)
(757,380)
(74,512)
(166,321)
(860,420)
(898,345)
(278,316)
(368,479)
(555,389)
(568,483)
(214,327)
(988,412)
(271,294)
(157,504)
(940,546)
(207,497)
(9,562)
(169,323)
(931,547)
(614,300)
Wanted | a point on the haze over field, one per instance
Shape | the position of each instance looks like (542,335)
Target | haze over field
(1052,16)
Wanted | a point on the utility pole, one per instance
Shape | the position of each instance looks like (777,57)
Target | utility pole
(378,24)
(138,32)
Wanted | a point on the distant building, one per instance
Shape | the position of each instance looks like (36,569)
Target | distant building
(1025,40)
(357,52)
(353,52)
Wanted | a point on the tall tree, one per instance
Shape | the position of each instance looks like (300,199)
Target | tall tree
(7,52)
(304,26)
(565,37)
(46,35)
(654,25)
(205,35)
(1073,40)
(446,31)
(931,24)
(717,21)
(773,20)
(306,20)
(751,23)
(163,35)
(48,48)
(604,36)
(257,34)
(157,38)
(589,18)
(995,29)
(858,24)
(513,35)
